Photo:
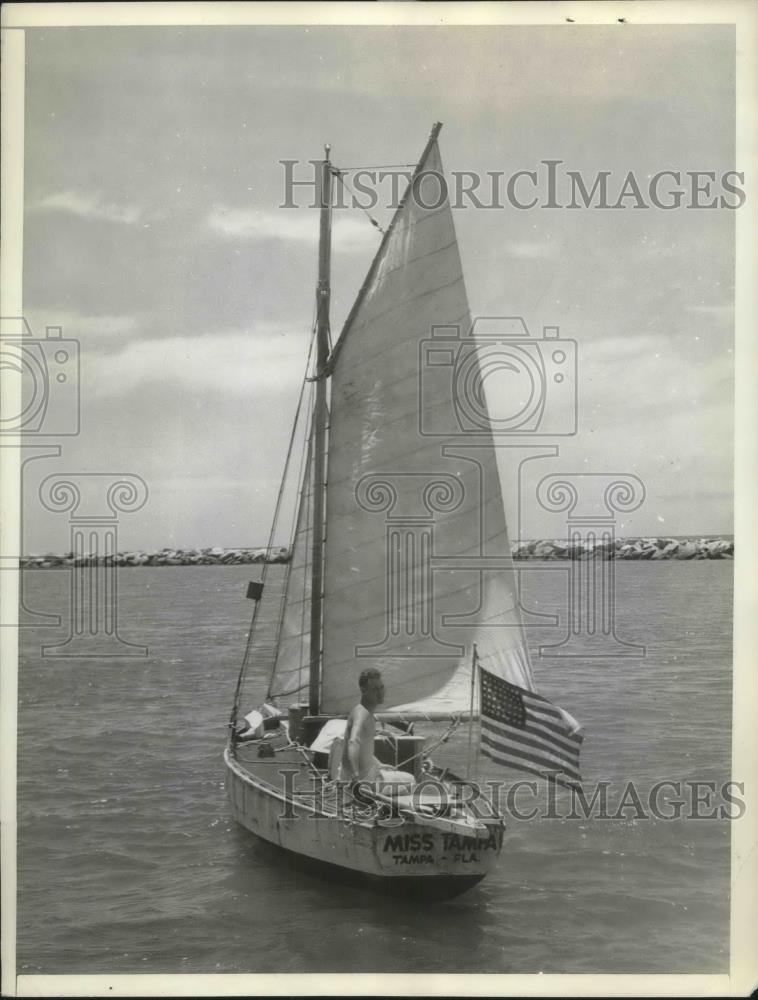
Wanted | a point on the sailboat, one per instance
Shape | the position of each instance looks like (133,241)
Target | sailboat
(400,560)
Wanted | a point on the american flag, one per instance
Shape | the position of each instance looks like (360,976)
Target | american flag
(523,730)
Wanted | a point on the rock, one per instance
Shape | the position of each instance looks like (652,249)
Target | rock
(667,551)
(686,551)
(543,550)
(605,545)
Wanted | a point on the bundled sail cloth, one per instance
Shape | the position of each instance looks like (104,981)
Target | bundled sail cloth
(260,719)
(523,730)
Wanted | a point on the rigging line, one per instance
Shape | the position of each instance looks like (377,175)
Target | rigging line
(249,643)
(344,183)
(301,473)
(284,602)
(305,457)
(305,499)
(380,166)
(426,751)
(291,534)
(302,509)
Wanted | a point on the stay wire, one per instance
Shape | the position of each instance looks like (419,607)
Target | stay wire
(294,532)
(380,166)
(339,174)
(277,509)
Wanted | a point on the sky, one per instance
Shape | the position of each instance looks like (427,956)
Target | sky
(154,237)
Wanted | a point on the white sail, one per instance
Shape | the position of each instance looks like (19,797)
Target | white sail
(417,559)
(291,672)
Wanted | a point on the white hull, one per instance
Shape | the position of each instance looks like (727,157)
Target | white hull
(411,853)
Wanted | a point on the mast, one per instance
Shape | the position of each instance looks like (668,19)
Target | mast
(319,429)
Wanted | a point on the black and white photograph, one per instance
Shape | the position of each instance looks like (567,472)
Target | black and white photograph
(378,499)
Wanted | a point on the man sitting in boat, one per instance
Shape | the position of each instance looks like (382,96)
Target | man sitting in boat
(358,761)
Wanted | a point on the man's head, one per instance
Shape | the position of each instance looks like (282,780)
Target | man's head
(372,687)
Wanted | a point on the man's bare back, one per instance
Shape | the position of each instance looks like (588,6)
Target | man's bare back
(358,762)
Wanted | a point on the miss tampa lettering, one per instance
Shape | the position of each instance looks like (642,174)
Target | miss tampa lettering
(417,848)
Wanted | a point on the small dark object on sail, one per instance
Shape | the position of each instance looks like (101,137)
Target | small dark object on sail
(254,591)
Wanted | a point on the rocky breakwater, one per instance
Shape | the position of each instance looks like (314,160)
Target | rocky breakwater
(623,548)
(628,548)
(164,557)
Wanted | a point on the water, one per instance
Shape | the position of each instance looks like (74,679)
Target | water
(128,861)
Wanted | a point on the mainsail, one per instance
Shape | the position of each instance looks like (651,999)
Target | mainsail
(417,558)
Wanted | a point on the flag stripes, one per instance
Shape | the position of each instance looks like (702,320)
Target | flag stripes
(539,770)
(516,755)
(523,730)
(537,740)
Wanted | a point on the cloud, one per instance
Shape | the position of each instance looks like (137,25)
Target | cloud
(88,206)
(233,362)
(76,324)
(723,312)
(657,394)
(532,250)
(620,349)
(348,232)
